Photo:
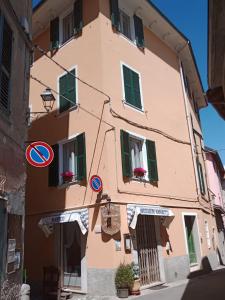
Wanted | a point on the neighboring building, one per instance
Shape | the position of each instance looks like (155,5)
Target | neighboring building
(131,52)
(216,56)
(15,48)
(216,174)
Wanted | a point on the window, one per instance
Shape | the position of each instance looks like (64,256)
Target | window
(68,27)
(207,234)
(69,162)
(5,63)
(62,28)
(131,27)
(70,157)
(136,146)
(131,82)
(125,24)
(138,153)
(201,178)
(67,91)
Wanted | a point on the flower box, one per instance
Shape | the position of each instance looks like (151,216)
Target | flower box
(139,172)
(67,176)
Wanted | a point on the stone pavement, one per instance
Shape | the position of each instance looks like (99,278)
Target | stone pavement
(206,287)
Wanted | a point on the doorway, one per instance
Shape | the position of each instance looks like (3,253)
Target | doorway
(147,250)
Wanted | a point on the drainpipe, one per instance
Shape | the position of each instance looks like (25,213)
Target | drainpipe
(190,129)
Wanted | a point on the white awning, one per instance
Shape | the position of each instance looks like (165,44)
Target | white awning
(80,216)
(134,210)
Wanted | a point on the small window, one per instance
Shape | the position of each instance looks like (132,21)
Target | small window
(132,93)
(72,162)
(67,91)
(201,178)
(68,27)
(70,159)
(5,63)
(136,152)
(125,24)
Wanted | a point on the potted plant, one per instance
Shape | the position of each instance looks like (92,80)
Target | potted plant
(135,288)
(67,176)
(139,172)
(124,280)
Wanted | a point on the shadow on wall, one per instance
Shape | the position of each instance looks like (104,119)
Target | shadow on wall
(205,284)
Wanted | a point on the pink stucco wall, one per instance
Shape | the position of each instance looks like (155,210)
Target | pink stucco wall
(214,180)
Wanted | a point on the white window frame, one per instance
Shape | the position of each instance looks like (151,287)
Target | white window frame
(207,234)
(144,153)
(128,11)
(197,266)
(58,90)
(61,143)
(61,17)
(123,89)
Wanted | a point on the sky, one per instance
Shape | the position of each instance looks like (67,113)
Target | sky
(190,17)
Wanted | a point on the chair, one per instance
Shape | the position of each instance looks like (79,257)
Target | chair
(51,283)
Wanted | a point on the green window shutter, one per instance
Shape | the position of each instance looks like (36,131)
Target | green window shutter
(136,90)
(139,31)
(125,153)
(201,178)
(115,14)
(81,157)
(53,170)
(6,42)
(67,88)
(152,161)
(54,33)
(132,87)
(78,16)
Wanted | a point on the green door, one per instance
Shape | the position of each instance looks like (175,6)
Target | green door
(189,222)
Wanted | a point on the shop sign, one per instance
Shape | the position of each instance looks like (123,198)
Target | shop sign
(111,219)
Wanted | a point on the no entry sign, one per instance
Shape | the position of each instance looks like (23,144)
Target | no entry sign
(39,154)
(96,183)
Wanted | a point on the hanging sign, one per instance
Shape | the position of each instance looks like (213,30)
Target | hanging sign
(39,154)
(111,219)
(96,183)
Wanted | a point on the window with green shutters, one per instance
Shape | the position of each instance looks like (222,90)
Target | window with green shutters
(125,21)
(6,43)
(54,33)
(70,157)
(67,91)
(67,25)
(132,92)
(201,178)
(132,153)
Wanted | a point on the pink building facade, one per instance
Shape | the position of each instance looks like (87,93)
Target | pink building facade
(216,174)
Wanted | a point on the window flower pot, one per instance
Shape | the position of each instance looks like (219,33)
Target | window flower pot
(139,172)
(67,176)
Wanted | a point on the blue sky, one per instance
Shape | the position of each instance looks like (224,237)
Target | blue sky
(190,17)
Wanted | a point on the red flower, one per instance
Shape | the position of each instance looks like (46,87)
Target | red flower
(67,174)
(139,172)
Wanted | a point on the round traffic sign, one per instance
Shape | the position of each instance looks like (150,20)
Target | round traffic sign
(96,183)
(39,154)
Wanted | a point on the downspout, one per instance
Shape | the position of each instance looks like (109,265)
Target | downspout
(190,129)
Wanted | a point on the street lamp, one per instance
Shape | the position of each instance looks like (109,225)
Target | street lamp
(48,99)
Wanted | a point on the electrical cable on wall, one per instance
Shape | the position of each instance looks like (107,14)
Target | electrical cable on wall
(68,72)
(116,115)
